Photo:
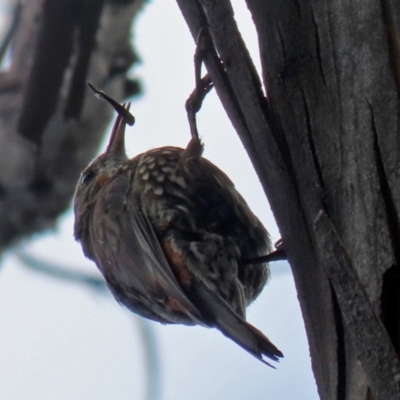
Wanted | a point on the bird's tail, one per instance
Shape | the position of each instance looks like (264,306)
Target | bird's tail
(220,315)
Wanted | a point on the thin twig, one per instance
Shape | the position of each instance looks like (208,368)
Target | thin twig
(60,272)
(151,358)
(146,330)
(119,108)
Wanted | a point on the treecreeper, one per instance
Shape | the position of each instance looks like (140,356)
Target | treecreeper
(170,234)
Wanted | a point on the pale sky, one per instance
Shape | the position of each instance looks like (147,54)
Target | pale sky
(60,341)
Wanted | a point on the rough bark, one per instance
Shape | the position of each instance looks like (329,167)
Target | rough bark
(325,144)
(49,128)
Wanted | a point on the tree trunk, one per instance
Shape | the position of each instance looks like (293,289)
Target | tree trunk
(49,132)
(325,144)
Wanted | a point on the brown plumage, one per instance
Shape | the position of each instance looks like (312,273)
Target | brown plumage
(168,231)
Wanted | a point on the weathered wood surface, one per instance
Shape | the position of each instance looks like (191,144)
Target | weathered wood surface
(326,138)
(325,142)
(49,131)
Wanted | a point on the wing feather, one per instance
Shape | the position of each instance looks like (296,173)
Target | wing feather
(133,262)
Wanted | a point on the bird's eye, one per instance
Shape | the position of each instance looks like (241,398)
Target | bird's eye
(87,176)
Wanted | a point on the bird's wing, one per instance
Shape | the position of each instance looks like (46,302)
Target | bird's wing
(133,262)
(208,298)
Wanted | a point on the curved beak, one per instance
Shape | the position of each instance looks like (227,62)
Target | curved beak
(116,145)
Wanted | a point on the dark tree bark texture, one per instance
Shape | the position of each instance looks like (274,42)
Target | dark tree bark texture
(50,127)
(325,143)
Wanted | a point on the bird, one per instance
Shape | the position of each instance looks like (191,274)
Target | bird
(169,232)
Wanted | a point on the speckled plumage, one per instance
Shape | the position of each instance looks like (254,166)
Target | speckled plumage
(168,231)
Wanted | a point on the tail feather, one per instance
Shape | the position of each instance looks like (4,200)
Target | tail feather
(221,316)
(249,338)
